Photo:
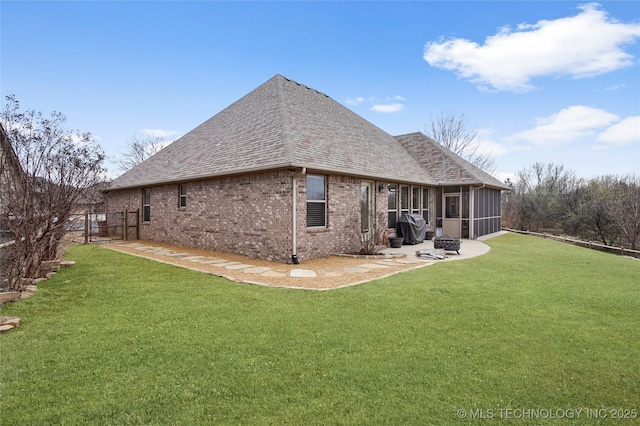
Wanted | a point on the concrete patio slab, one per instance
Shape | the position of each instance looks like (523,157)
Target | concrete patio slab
(468,248)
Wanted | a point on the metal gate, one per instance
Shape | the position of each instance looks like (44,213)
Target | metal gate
(105,226)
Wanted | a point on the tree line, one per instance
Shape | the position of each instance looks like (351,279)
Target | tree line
(549,198)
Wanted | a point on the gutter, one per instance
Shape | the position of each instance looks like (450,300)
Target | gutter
(327,170)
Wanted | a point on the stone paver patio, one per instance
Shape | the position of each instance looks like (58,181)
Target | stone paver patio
(333,272)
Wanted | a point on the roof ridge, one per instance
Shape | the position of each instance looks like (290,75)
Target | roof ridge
(303,85)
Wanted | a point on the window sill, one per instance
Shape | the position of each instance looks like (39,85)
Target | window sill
(317,230)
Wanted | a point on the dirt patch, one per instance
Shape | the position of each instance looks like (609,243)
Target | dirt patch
(331,272)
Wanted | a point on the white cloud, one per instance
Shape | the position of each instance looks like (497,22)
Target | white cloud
(485,145)
(354,101)
(625,132)
(159,133)
(568,125)
(584,45)
(615,87)
(395,107)
(387,105)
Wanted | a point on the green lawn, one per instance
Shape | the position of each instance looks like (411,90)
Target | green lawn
(532,325)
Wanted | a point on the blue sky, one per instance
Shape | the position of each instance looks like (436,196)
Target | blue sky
(541,81)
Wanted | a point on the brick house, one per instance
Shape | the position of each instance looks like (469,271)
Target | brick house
(287,173)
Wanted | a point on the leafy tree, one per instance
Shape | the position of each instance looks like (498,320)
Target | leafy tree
(453,132)
(54,167)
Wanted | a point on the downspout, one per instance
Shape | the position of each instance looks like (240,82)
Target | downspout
(294,222)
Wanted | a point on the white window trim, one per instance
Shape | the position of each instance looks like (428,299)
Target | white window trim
(324,202)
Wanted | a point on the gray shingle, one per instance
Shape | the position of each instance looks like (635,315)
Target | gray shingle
(445,166)
(280,124)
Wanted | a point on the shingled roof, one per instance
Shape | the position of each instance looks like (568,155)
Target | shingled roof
(445,166)
(280,124)
(8,156)
(10,169)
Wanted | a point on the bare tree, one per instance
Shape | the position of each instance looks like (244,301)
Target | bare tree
(551,199)
(50,170)
(453,132)
(139,150)
(536,200)
(622,202)
(371,236)
(584,214)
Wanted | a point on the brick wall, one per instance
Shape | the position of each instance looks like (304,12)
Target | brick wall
(341,234)
(251,215)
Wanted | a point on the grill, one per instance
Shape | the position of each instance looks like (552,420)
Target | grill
(447,242)
(412,228)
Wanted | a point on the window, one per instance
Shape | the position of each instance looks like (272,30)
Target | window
(404,199)
(415,200)
(452,207)
(392,205)
(425,204)
(182,196)
(316,201)
(366,206)
(146,205)
(410,199)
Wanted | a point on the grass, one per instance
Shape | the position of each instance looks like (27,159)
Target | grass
(534,324)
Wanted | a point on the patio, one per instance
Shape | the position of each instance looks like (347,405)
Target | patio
(319,274)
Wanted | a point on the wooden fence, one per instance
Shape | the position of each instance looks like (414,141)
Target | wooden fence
(588,244)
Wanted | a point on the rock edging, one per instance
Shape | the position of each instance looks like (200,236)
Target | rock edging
(29,289)
(8,323)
